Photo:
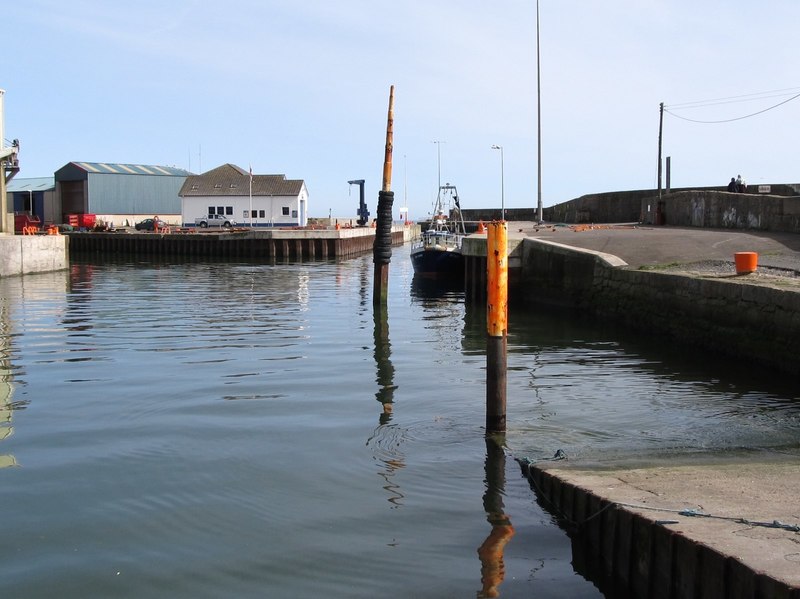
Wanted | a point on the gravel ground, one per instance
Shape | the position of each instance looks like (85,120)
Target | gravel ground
(721,269)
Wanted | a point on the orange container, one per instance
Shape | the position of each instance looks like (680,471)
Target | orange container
(745,262)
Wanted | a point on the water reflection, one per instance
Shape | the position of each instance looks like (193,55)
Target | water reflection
(44,289)
(383,363)
(435,289)
(386,438)
(491,551)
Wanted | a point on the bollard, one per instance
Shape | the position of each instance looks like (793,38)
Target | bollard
(496,326)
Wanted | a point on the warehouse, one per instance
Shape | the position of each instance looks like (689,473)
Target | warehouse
(35,198)
(120,194)
(253,200)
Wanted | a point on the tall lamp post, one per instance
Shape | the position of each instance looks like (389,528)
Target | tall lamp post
(538,121)
(502,183)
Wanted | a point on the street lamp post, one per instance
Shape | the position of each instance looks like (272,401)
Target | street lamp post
(502,183)
(540,216)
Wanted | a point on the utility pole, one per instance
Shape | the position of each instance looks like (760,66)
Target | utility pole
(660,128)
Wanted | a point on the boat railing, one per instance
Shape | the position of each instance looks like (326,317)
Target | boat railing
(438,240)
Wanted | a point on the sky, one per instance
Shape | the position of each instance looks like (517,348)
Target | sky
(301,88)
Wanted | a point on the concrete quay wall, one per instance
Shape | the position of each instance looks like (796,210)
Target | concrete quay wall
(29,254)
(638,544)
(757,322)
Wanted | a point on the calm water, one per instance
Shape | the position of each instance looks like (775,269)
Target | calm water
(240,430)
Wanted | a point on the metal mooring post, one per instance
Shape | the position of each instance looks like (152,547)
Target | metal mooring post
(382,247)
(496,326)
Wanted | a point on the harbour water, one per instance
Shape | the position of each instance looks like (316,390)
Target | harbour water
(205,429)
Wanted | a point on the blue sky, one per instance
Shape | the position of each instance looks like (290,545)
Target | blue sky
(301,88)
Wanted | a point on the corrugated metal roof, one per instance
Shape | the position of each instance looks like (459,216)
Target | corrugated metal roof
(231,180)
(31,184)
(130,169)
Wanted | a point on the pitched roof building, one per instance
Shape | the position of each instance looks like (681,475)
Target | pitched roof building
(256,200)
(117,192)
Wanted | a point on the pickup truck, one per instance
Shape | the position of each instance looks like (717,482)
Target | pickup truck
(215,220)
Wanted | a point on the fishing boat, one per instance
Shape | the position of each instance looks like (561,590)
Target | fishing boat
(436,254)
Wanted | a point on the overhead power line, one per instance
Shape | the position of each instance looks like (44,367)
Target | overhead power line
(734,99)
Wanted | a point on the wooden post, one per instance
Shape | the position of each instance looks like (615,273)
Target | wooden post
(496,326)
(382,247)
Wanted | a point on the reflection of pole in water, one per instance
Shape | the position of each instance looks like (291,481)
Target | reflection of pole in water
(385,438)
(493,568)
(383,363)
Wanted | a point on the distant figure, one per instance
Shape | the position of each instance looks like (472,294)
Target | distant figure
(739,184)
(732,185)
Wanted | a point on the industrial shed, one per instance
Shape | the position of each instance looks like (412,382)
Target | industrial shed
(34,197)
(254,200)
(120,194)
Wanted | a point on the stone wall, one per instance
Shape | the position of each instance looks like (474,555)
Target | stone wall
(721,209)
(730,316)
(642,205)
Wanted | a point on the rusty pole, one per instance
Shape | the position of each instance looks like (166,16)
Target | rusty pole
(382,247)
(496,326)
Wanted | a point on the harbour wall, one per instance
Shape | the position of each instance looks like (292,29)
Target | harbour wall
(730,316)
(758,323)
(29,254)
(724,210)
(297,244)
(775,210)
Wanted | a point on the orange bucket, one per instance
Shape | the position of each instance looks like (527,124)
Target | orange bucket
(746,262)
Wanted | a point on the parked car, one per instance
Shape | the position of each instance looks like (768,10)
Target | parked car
(215,220)
(147,224)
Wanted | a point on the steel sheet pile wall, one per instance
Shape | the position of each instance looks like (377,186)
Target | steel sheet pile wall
(227,245)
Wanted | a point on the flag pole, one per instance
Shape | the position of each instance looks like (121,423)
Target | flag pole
(251,196)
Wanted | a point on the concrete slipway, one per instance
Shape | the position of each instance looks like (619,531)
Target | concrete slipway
(721,525)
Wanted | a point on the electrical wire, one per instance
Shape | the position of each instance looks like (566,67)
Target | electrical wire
(741,98)
(735,118)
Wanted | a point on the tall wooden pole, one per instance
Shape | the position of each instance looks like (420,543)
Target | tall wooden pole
(382,248)
(496,326)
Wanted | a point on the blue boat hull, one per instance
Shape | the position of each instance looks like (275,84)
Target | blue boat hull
(438,264)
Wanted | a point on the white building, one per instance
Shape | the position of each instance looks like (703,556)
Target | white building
(257,200)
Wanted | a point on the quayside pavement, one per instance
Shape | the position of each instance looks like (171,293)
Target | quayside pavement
(719,525)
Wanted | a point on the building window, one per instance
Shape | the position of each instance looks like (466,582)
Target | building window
(211,210)
(195,187)
(233,185)
(254,214)
(262,214)
(294,213)
(220,209)
(217,186)
(229,210)
(285,211)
